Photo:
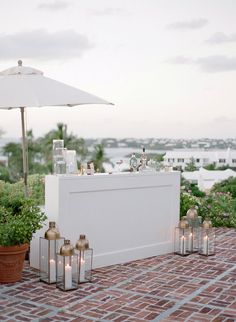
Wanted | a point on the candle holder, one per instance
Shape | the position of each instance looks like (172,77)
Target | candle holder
(207,239)
(193,240)
(49,245)
(67,268)
(194,223)
(182,233)
(85,259)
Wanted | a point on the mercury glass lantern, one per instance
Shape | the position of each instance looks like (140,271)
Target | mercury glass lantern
(192,216)
(49,245)
(207,239)
(85,259)
(67,268)
(182,233)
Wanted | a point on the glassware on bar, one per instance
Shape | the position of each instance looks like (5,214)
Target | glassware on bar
(119,163)
(133,162)
(71,162)
(60,160)
(56,144)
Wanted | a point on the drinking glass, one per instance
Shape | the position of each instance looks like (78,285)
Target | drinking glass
(71,162)
(60,160)
(119,163)
(56,152)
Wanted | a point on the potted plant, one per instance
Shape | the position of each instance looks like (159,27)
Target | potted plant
(20,218)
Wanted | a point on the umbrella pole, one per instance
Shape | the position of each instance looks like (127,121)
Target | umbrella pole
(24,144)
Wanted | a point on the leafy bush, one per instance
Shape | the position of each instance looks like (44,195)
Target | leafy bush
(187,200)
(20,217)
(228,185)
(4,173)
(36,188)
(219,207)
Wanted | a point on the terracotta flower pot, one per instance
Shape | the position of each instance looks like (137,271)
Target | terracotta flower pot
(11,262)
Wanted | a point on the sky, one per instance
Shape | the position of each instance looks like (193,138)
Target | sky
(169,66)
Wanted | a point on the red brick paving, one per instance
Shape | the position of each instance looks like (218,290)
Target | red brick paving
(162,288)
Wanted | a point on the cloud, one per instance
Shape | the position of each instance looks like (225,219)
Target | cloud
(220,37)
(180,60)
(224,119)
(55,5)
(209,64)
(188,25)
(107,11)
(44,45)
(217,63)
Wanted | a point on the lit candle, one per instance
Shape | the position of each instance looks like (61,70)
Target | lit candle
(182,245)
(52,271)
(68,277)
(205,245)
(190,242)
(82,270)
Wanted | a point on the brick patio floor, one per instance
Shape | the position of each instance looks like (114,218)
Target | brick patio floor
(162,288)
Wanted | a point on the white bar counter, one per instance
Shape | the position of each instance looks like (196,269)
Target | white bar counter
(125,216)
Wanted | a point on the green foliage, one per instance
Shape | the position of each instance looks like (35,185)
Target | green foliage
(196,192)
(4,173)
(218,206)
(191,166)
(20,217)
(187,201)
(225,186)
(211,166)
(71,142)
(98,156)
(36,188)
(156,157)
(39,152)
(191,188)
(14,153)
(35,160)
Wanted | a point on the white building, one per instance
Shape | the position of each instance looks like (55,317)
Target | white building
(205,179)
(181,158)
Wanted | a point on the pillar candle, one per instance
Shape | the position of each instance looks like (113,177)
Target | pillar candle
(52,271)
(190,242)
(182,245)
(82,270)
(205,245)
(68,277)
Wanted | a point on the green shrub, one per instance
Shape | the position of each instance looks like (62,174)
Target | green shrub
(218,206)
(36,188)
(20,217)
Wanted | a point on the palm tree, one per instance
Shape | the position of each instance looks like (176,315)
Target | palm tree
(99,157)
(71,142)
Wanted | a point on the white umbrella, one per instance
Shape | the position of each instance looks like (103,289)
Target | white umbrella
(22,87)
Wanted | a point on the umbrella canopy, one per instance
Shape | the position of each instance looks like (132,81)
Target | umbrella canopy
(23,86)
(27,87)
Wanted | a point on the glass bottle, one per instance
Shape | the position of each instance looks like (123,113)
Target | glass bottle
(133,162)
(144,157)
(143,161)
